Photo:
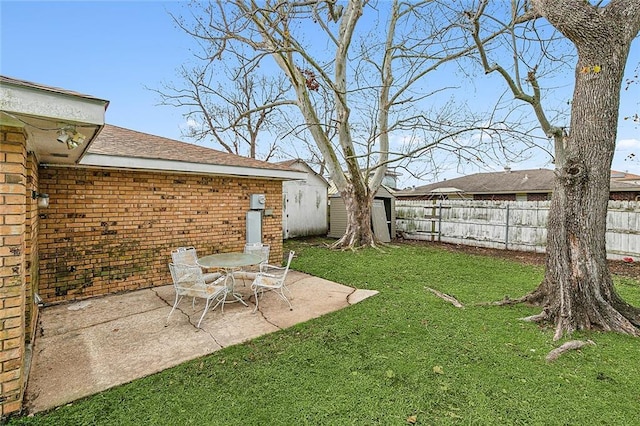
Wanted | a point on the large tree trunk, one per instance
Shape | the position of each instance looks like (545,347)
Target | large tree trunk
(577,291)
(358,232)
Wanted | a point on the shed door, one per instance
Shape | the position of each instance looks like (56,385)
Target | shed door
(380,222)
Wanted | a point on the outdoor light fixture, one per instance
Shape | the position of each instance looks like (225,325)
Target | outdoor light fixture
(63,136)
(70,136)
(43,199)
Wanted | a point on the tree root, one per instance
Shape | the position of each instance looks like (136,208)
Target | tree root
(535,298)
(611,314)
(568,346)
(542,316)
(507,301)
(352,247)
(446,297)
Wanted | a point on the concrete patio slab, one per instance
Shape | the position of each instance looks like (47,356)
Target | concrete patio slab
(89,346)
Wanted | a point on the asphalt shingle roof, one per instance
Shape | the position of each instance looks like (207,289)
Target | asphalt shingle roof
(121,142)
(513,181)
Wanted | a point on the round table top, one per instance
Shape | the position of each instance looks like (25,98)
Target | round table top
(229,260)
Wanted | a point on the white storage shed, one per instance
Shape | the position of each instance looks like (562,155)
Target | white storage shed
(304,203)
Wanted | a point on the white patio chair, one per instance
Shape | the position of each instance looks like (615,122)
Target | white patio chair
(189,256)
(273,280)
(189,281)
(259,249)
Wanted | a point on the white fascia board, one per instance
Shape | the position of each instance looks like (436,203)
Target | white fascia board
(131,163)
(55,106)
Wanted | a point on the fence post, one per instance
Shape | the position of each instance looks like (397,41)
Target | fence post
(439,221)
(623,230)
(433,222)
(506,232)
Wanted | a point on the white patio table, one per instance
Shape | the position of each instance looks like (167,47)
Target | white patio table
(228,262)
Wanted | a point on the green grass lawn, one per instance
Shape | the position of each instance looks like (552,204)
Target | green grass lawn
(401,357)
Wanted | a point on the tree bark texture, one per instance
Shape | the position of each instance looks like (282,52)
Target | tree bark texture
(359,232)
(577,291)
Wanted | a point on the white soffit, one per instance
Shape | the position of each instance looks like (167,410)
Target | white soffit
(41,111)
(132,163)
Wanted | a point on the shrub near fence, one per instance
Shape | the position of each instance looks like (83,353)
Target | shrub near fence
(512,225)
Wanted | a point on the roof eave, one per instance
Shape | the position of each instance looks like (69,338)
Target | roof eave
(42,111)
(133,163)
(36,102)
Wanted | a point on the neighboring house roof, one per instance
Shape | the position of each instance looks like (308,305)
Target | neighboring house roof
(299,164)
(291,163)
(505,182)
(536,180)
(618,175)
(624,183)
(124,148)
(625,177)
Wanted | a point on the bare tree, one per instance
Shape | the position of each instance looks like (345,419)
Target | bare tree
(577,291)
(233,111)
(354,85)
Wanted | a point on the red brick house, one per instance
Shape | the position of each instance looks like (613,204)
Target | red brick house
(513,185)
(118,202)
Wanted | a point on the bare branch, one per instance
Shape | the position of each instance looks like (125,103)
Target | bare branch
(357,89)
(446,297)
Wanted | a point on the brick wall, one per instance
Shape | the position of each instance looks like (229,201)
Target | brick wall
(538,197)
(13,189)
(108,231)
(495,197)
(31,248)
(625,196)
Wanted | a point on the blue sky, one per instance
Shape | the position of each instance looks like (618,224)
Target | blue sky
(110,50)
(113,50)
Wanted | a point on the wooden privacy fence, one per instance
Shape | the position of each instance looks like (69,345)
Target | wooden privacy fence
(512,225)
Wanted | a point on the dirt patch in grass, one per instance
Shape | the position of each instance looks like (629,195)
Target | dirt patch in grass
(617,267)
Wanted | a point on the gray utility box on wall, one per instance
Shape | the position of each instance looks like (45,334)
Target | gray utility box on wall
(257,201)
(254,218)
(254,226)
